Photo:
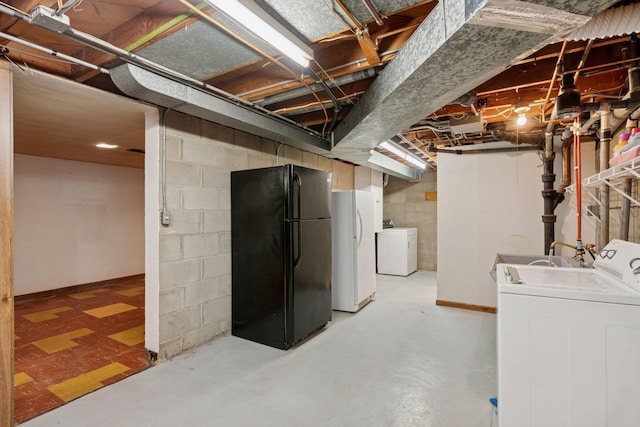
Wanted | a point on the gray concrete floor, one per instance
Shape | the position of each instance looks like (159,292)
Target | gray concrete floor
(400,361)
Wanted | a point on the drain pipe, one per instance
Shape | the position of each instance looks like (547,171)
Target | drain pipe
(605,140)
(550,196)
(627,183)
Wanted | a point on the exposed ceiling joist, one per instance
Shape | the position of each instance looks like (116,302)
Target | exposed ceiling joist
(460,45)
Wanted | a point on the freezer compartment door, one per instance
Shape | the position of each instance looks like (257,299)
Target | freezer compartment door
(311,280)
(310,193)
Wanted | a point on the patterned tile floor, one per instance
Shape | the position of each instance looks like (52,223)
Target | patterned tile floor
(70,345)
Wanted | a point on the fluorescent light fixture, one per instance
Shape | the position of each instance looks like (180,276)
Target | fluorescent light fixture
(403,154)
(253,18)
(105,145)
(395,150)
(522,119)
(416,162)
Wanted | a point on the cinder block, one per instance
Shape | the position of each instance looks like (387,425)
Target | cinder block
(324,163)
(259,161)
(218,265)
(199,245)
(174,148)
(170,248)
(216,311)
(247,141)
(199,152)
(202,292)
(201,336)
(225,325)
(291,155)
(170,348)
(310,160)
(216,221)
(397,197)
(225,285)
(179,272)
(224,199)
(216,132)
(182,125)
(269,147)
(233,159)
(182,222)
(180,173)
(174,197)
(173,325)
(171,300)
(224,240)
(416,217)
(214,177)
(200,198)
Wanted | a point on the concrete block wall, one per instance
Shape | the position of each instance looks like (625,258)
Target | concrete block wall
(195,250)
(405,204)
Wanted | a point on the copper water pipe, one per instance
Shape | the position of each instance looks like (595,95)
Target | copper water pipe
(374,12)
(578,176)
(553,80)
(352,18)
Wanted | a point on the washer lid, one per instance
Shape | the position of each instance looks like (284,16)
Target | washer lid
(568,283)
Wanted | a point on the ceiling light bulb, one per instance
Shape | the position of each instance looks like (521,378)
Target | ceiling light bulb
(522,119)
(105,145)
(254,19)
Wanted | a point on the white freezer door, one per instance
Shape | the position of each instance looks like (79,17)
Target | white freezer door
(352,249)
(365,246)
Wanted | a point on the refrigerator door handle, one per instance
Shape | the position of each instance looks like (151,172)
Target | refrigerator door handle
(298,258)
(360,226)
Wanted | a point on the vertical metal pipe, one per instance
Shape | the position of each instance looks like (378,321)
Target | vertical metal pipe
(627,184)
(605,139)
(549,194)
(626,209)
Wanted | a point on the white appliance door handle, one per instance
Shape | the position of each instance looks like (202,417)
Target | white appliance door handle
(359,235)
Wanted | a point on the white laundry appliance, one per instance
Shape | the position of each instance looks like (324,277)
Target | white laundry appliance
(398,251)
(569,342)
(352,250)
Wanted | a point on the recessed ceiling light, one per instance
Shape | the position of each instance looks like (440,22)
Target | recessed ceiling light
(105,145)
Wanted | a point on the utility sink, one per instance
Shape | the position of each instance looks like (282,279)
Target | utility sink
(527,260)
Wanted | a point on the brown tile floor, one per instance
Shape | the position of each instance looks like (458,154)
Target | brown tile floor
(70,345)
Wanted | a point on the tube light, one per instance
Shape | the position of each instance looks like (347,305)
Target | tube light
(401,153)
(105,145)
(395,150)
(254,19)
(415,161)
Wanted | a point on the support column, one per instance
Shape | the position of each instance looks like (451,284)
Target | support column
(6,245)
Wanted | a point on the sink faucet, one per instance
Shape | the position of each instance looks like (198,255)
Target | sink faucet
(578,247)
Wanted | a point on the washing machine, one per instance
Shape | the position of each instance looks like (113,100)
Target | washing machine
(569,342)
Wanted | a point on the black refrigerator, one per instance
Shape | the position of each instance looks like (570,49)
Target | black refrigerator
(281,254)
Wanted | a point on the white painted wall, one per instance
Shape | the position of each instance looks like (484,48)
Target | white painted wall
(487,203)
(76,223)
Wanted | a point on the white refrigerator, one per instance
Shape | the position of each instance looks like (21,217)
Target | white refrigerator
(352,250)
